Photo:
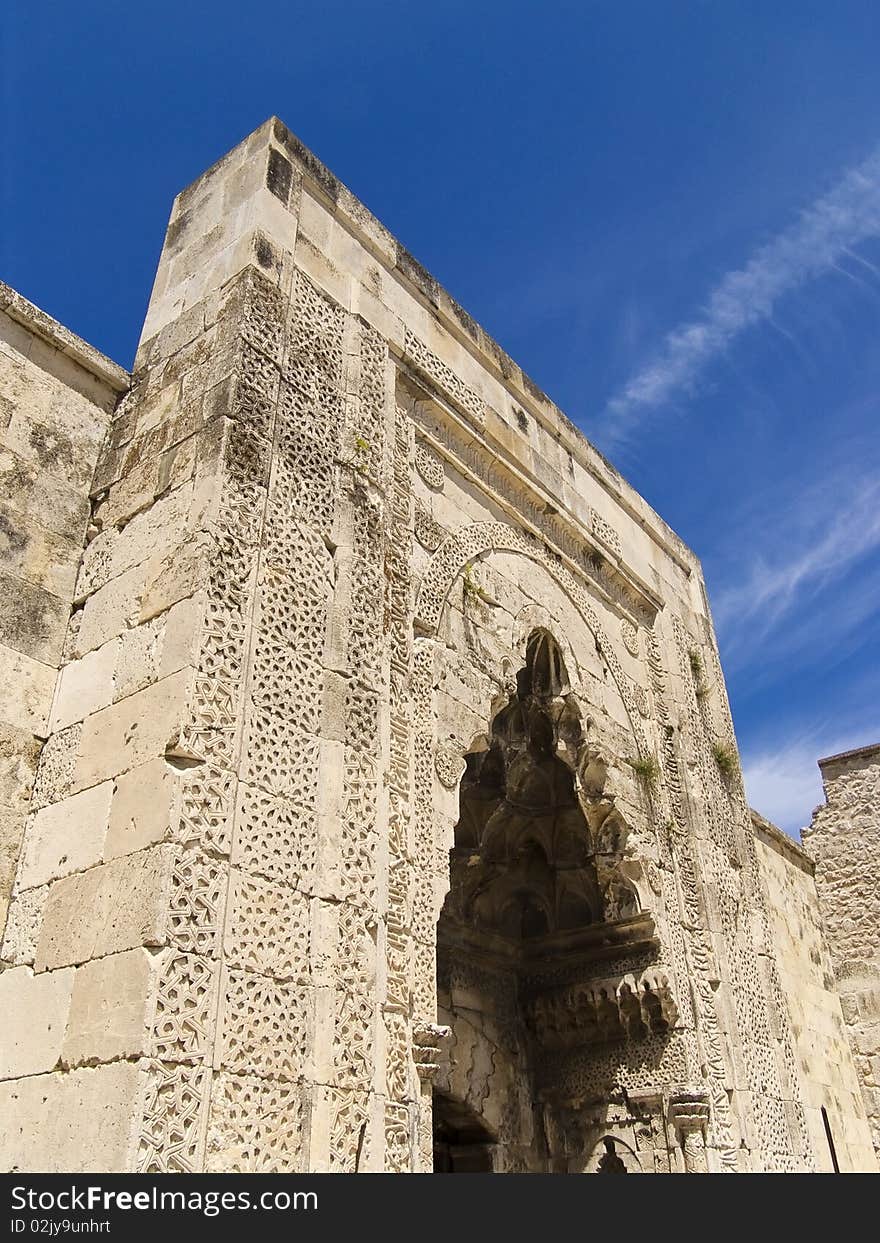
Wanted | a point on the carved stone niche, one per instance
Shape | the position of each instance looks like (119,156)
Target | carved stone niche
(540,885)
(689,1114)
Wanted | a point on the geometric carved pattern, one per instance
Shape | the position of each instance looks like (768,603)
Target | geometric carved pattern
(281,761)
(256,1126)
(605,531)
(267,928)
(349,1146)
(248,346)
(353,1040)
(171,1118)
(428,532)
(265,1025)
(198,884)
(630,635)
(185,1005)
(275,838)
(208,799)
(430,467)
(444,377)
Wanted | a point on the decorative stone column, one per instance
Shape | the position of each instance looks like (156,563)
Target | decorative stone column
(689,1114)
(430,1042)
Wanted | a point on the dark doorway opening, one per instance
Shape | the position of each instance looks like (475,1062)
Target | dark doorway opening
(462,1144)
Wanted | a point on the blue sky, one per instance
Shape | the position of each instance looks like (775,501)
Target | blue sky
(669,213)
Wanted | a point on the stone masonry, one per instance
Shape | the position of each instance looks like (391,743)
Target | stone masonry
(369,782)
(844,842)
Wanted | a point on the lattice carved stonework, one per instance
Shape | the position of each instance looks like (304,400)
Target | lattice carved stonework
(762,1031)
(241,383)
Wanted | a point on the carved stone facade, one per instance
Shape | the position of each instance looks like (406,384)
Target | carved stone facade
(396,826)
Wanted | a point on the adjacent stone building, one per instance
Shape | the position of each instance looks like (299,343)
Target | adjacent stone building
(844,841)
(370,786)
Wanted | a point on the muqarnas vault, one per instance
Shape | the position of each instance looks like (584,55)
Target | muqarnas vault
(370,791)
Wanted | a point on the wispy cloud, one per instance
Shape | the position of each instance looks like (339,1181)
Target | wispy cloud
(829,531)
(825,234)
(784,784)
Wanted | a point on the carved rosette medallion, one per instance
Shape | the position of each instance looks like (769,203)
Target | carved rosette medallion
(449,765)
(429,467)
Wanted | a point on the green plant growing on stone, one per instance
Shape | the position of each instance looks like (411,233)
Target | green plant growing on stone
(701,686)
(645,768)
(362,452)
(472,589)
(725,758)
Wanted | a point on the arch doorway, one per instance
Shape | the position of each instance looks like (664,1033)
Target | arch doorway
(536,902)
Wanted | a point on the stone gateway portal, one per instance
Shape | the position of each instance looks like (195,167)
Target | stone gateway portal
(376,803)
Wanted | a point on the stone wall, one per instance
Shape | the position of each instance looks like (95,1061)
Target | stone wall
(327,521)
(844,843)
(56,397)
(811,991)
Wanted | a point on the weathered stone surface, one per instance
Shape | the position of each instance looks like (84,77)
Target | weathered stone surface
(811,990)
(116,906)
(55,394)
(23,923)
(136,729)
(85,685)
(112,609)
(143,809)
(35,1010)
(844,842)
(32,620)
(84,1120)
(110,1008)
(26,689)
(66,837)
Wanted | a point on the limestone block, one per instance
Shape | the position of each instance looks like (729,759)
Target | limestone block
(143,808)
(36,495)
(366,304)
(23,922)
(82,1121)
(57,766)
(115,906)
(63,437)
(66,837)
(26,689)
(135,491)
(325,274)
(34,1009)
(11,831)
(175,573)
(138,663)
(85,685)
(112,609)
(32,621)
(19,753)
(110,1008)
(136,729)
(181,634)
(37,555)
(315,221)
(113,552)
